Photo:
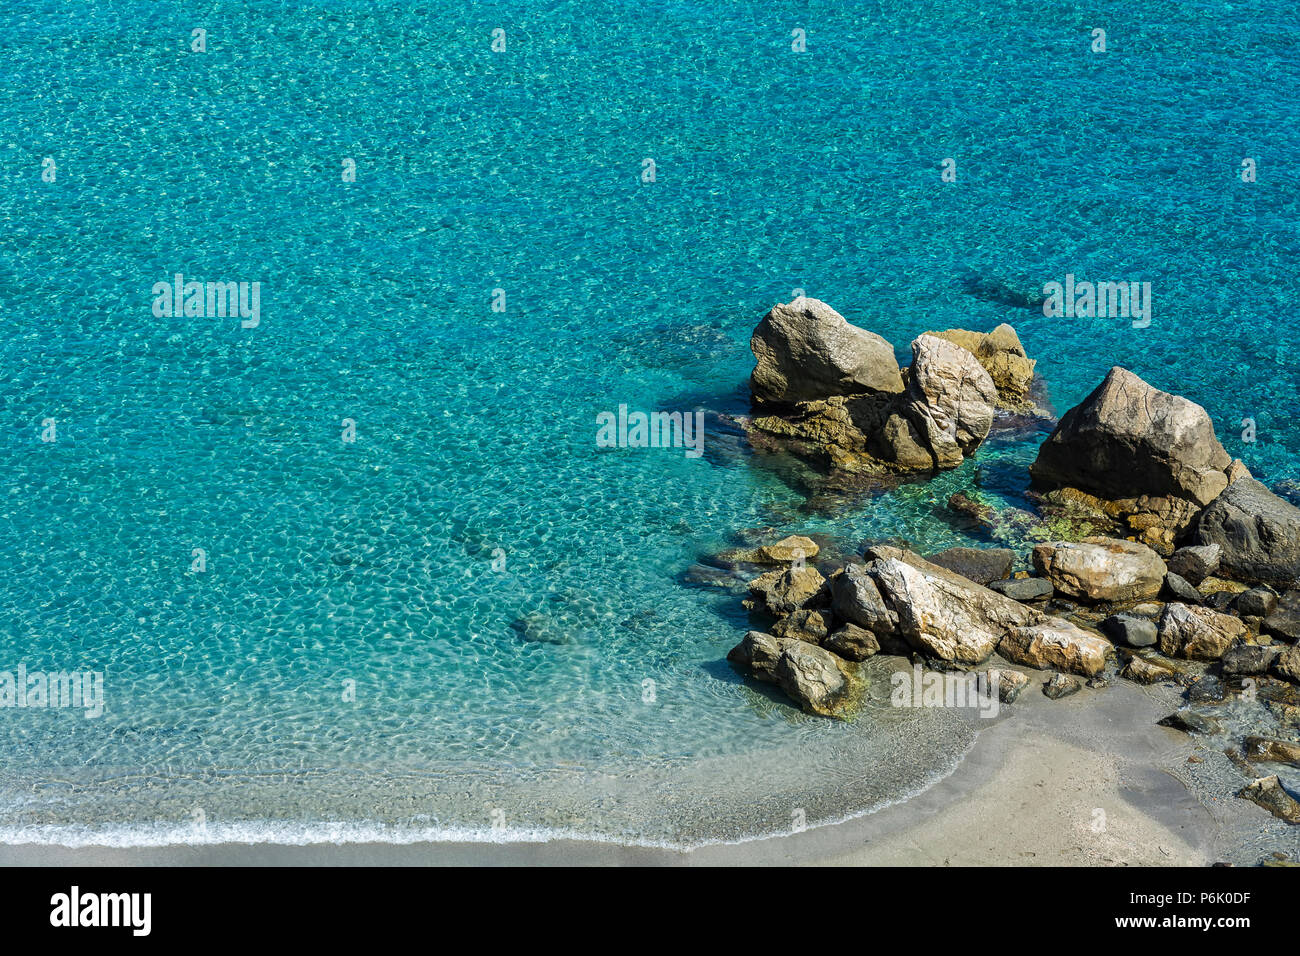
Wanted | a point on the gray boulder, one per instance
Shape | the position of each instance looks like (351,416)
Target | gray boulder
(1024,589)
(1258,532)
(1242,660)
(806,351)
(1128,439)
(1130,630)
(1195,563)
(981,565)
(942,614)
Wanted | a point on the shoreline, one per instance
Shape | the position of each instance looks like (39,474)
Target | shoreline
(1088,780)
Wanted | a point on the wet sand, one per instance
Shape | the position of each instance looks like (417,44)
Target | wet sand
(1088,780)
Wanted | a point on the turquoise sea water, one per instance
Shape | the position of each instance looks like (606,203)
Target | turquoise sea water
(372,561)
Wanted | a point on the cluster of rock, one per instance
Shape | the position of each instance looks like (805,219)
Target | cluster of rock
(834,393)
(1194,577)
(1144,460)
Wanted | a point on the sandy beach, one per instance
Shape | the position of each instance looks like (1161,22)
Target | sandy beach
(1088,780)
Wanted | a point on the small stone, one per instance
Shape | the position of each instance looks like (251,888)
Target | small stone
(1130,630)
(1207,690)
(1196,563)
(1010,683)
(1024,589)
(1176,589)
(1257,602)
(852,642)
(1248,659)
(1192,722)
(1271,750)
(1058,686)
(1144,671)
(1097,683)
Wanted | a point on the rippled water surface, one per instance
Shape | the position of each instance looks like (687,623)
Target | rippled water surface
(370,564)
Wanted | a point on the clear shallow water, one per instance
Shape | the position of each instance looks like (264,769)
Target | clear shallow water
(372,561)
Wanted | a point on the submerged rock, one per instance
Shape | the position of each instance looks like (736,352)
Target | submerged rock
(1101,569)
(1192,722)
(1269,793)
(1270,750)
(786,551)
(1258,532)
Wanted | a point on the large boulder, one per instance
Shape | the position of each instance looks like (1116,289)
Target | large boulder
(815,678)
(1198,633)
(784,592)
(856,598)
(1128,439)
(939,613)
(1003,357)
(1056,644)
(833,395)
(806,351)
(1257,532)
(1101,569)
(950,400)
